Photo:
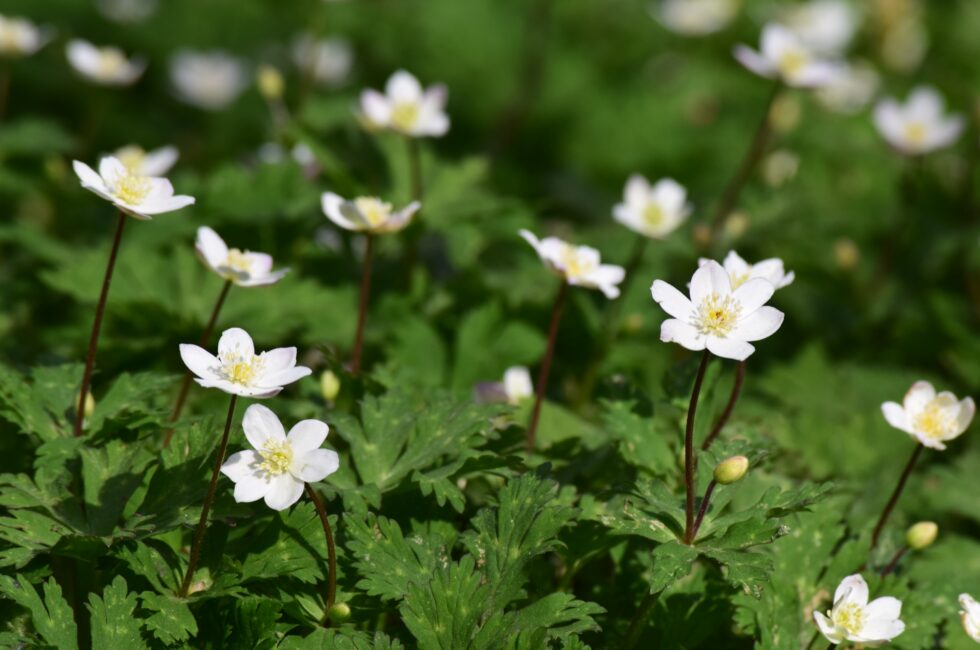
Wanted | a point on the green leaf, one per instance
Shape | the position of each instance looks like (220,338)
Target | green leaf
(341,640)
(651,511)
(487,344)
(671,561)
(52,617)
(642,441)
(113,623)
(171,621)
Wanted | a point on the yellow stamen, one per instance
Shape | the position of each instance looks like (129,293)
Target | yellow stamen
(132,188)
(717,316)
(277,457)
(933,421)
(111,62)
(850,617)
(132,158)
(574,263)
(238,261)
(738,279)
(404,115)
(374,211)
(653,215)
(792,62)
(915,133)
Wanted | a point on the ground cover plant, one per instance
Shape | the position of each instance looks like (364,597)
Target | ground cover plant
(489,324)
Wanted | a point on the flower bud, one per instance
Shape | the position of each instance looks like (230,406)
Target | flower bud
(270,82)
(702,234)
(921,535)
(89,405)
(339,612)
(329,385)
(731,470)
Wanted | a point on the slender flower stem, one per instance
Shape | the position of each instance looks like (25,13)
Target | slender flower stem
(208,500)
(897,493)
(205,337)
(702,510)
(895,560)
(415,166)
(331,551)
(4,86)
(639,620)
(355,364)
(549,353)
(689,460)
(727,413)
(93,341)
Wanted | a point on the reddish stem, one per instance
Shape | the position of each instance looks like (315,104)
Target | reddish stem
(727,413)
(689,460)
(331,551)
(355,363)
(549,354)
(702,510)
(895,495)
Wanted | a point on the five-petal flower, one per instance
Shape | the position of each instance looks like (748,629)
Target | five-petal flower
(920,125)
(20,37)
(208,80)
(970,616)
(243,268)
(107,66)
(739,270)
(578,265)
(853,618)
(783,56)
(932,419)
(138,195)
(406,108)
(652,211)
(367,214)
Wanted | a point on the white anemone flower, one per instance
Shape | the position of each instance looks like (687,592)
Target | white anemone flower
(208,80)
(367,214)
(517,384)
(695,17)
(652,211)
(970,616)
(825,26)
(406,108)
(853,618)
(107,66)
(716,316)
(237,370)
(327,61)
(20,37)
(243,268)
(279,465)
(579,265)
(147,163)
(920,125)
(739,270)
(135,194)
(853,90)
(785,57)
(930,418)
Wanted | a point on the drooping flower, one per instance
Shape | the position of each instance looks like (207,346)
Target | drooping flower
(579,265)
(208,80)
(147,163)
(695,17)
(930,418)
(237,370)
(825,26)
(517,384)
(716,316)
(367,214)
(970,616)
(107,66)
(783,56)
(327,61)
(20,37)
(137,195)
(652,211)
(920,125)
(279,465)
(853,618)
(739,270)
(243,268)
(406,108)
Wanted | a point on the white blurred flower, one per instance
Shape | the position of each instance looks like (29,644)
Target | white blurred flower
(367,214)
(785,57)
(138,195)
(237,370)
(920,125)
(853,618)
(578,265)
(406,107)
(243,268)
(517,384)
(107,66)
(147,163)
(852,90)
(970,616)
(279,465)
(780,167)
(825,26)
(327,61)
(716,316)
(930,418)
(210,80)
(21,37)
(653,211)
(695,17)
(127,11)
(739,271)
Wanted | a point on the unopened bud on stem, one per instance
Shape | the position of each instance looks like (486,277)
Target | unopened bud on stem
(329,385)
(921,535)
(731,470)
(270,82)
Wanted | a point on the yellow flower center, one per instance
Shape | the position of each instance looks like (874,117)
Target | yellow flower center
(374,211)
(238,261)
(404,115)
(277,457)
(849,616)
(653,215)
(717,316)
(9,39)
(915,133)
(241,370)
(738,279)
(132,188)
(132,158)
(933,421)
(111,63)
(575,264)
(792,62)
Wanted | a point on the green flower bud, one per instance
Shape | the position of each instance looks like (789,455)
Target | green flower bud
(340,612)
(731,470)
(921,535)
(270,82)
(329,385)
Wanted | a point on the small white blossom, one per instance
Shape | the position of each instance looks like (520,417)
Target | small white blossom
(327,61)
(652,211)
(739,270)
(237,370)
(20,37)
(920,125)
(825,26)
(716,316)
(930,418)
(970,616)
(137,195)
(280,464)
(853,618)
(579,265)
(367,214)
(406,108)
(147,163)
(517,384)
(208,80)
(244,268)
(852,90)
(695,17)
(107,66)
(784,56)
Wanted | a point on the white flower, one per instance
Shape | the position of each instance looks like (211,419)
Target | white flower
(367,214)
(652,211)
(237,370)
(107,66)
(970,616)
(932,419)
(244,268)
(20,37)
(209,80)
(406,108)
(127,11)
(578,265)
(147,163)
(825,26)
(717,317)
(739,270)
(137,195)
(852,90)
(919,125)
(695,17)
(517,384)
(783,56)
(853,618)
(327,61)
(280,465)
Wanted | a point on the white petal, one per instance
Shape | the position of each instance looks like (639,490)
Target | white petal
(606,278)
(708,279)
(753,294)
(262,425)
(670,194)
(403,87)
(852,589)
(877,631)
(532,239)
(236,341)
(251,488)
(729,348)
(211,247)
(637,191)
(735,264)
(199,361)
(88,177)
(754,61)
(676,331)
(331,205)
(771,269)
(284,491)
(671,300)
(818,74)
(170,204)
(111,170)
(159,161)
(434,125)
(924,104)
(240,465)
(517,384)
(947,132)
(965,416)
(758,325)
(375,108)
(259,281)
(885,608)
(895,415)
(279,359)
(920,394)
(307,435)
(889,122)
(827,628)
(316,465)
(284,377)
